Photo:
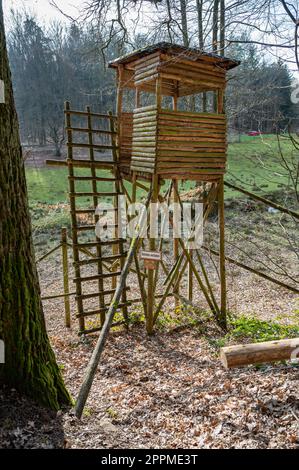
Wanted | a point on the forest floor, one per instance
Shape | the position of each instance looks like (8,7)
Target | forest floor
(170,390)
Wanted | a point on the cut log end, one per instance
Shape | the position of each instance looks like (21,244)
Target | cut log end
(259,353)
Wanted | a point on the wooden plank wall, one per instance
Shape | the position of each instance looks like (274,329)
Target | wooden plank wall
(191,76)
(144,144)
(126,139)
(191,143)
(180,75)
(175,143)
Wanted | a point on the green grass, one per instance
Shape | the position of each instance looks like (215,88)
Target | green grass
(252,329)
(249,329)
(255,162)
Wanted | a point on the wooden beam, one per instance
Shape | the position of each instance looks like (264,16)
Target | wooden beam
(222,318)
(263,199)
(77,270)
(258,353)
(254,271)
(150,273)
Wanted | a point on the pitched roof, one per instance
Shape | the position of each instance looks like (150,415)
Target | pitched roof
(188,53)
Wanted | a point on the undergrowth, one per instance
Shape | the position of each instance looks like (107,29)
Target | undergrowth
(250,329)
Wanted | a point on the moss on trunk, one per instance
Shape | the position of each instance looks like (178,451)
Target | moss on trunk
(30,364)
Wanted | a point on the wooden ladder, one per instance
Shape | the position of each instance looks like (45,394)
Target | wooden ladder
(97,262)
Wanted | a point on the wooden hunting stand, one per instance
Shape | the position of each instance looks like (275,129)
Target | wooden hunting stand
(159,139)
(166,136)
(166,141)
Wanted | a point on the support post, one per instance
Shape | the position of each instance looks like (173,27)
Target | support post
(65,267)
(175,186)
(222,252)
(190,278)
(73,214)
(220,101)
(150,272)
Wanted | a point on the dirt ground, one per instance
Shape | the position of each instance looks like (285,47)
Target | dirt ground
(166,391)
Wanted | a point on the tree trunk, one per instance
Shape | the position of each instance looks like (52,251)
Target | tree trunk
(215,42)
(222,27)
(30,364)
(184,22)
(201,45)
(215,26)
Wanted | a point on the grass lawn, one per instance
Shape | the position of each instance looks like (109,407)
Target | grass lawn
(254,163)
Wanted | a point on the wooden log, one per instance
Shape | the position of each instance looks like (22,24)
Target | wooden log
(181,139)
(86,130)
(146,60)
(258,353)
(190,164)
(222,270)
(185,127)
(143,163)
(84,113)
(189,153)
(187,114)
(254,271)
(145,108)
(139,169)
(220,146)
(145,126)
(145,71)
(151,78)
(199,82)
(202,161)
(263,199)
(182,134)
(212,128)
(65,265)
(196,64)
(188,72)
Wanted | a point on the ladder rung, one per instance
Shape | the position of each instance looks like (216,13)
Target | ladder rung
(88,113)
(85,228)
(92,178)
(92,211)
(96,277)
(95,194)
(86,129)
(101,310)
(99,328)
(91,146)
(93,244)
(84,211)
(103,258)
(97,294)
(81,163)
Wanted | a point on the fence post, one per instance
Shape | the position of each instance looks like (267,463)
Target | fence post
(65,267)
